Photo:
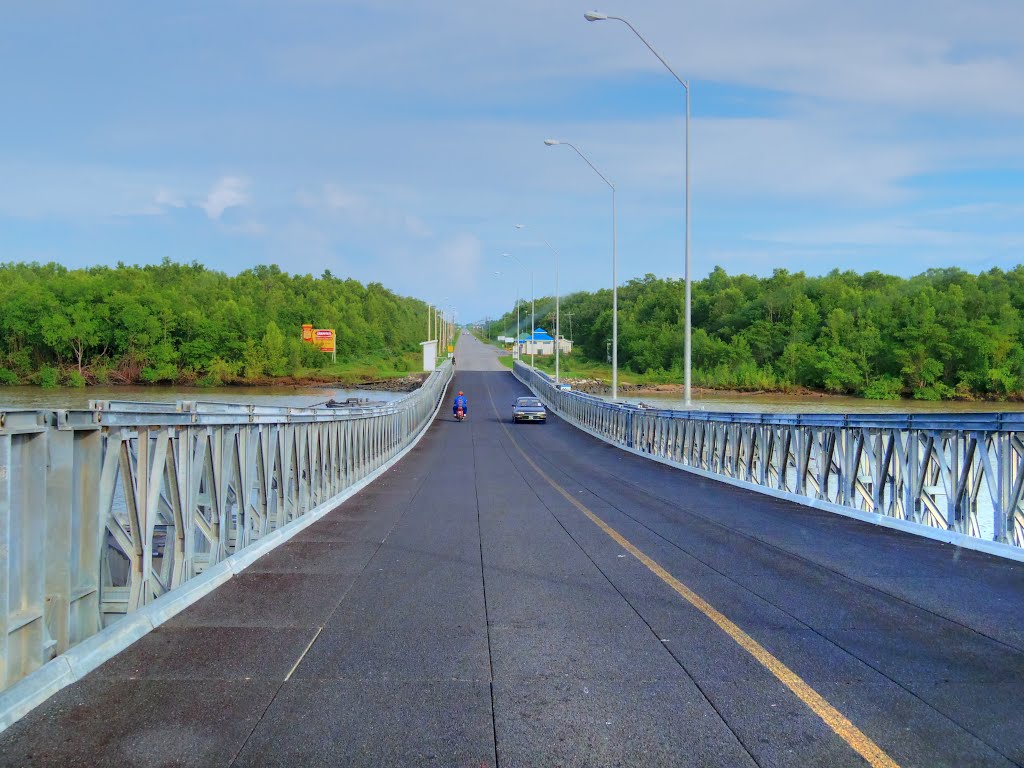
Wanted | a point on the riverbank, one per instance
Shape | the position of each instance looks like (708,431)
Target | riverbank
(394,374)
(373,382)
(601,387)
(293,396)
(595,379)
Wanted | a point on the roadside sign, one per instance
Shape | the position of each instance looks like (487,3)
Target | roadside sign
(324,339)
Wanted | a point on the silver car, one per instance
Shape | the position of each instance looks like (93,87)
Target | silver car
(529,409)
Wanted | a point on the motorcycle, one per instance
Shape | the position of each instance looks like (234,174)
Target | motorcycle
(460,414)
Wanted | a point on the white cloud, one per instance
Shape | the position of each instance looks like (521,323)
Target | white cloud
(165,198)
(228,192)
(459,261)
(337,199)
(929,233)
(870,233)
(943,56)
(249,228)
(994,211)
(809,157)
(416,227)
(372,211)
(43,188)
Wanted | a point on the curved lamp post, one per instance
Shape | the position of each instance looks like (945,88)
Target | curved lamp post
(595,16)
(533,312)
(515,347)
(615,281)
(439,324)
(498,275)
(557,319)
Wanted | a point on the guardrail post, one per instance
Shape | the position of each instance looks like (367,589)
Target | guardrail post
(27,644)
(1003,514)
(59,471)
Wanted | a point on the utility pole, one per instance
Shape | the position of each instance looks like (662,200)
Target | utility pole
(569,315)
(533,321)
(518,325)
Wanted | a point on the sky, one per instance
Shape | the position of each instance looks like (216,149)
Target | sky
(401,141)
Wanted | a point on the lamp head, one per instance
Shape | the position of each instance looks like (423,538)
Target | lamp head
(595,16)
(552,142)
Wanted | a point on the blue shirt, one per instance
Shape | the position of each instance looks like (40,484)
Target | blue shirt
(461,400)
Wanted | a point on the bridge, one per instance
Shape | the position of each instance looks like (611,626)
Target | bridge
(527,595)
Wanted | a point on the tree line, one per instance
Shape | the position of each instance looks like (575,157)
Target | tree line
(942,334)
(187,324)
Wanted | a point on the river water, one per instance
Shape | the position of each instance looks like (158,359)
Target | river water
(775,403)
(69,397)
(14,398)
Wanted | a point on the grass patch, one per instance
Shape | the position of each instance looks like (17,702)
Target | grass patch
(362,370)
(577,368)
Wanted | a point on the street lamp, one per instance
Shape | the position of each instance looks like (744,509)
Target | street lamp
(444,326)
(595,16)
(498,275)
(615,281)
(533,312)
(557,319)
(439,325)
(515,347)
(449,327)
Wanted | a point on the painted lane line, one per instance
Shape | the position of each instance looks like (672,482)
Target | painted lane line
(840,724)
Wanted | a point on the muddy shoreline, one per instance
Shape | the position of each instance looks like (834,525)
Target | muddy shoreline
(601,387)
(407,383)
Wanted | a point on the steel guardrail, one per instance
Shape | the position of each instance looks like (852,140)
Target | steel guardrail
(959,473)
(105,509)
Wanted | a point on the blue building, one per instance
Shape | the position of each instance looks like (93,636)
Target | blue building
(541,343)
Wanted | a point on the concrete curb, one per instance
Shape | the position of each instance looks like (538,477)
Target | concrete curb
(74,664)
(960,540)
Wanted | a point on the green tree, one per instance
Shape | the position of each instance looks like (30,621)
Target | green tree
(74,330)
(274,352)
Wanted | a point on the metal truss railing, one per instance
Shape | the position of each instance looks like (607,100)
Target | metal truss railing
(961,472)
(104,510)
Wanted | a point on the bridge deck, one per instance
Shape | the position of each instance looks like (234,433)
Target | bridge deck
(463,611)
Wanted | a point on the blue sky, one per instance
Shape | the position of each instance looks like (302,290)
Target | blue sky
(401,140)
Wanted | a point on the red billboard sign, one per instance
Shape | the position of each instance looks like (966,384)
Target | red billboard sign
(323,338)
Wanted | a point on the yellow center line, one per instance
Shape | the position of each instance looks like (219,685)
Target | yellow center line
(835,720)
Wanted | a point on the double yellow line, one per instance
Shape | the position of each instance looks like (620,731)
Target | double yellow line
(847,731)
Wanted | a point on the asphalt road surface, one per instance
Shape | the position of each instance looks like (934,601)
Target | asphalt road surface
(526,595)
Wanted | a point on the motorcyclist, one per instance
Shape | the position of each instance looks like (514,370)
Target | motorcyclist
(460,401)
